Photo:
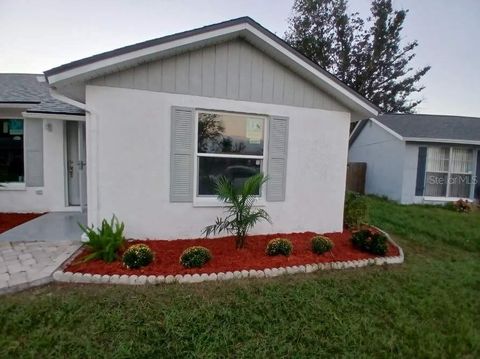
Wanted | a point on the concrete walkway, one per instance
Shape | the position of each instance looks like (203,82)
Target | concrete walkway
(32,251)
(27,264)
(51,227)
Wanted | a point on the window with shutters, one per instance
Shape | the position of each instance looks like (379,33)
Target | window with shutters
(230,145)
(11,151)
(449,172)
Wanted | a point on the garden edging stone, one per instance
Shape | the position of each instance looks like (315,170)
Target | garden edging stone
(134,279)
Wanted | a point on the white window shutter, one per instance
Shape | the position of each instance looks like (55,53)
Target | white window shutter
(277,158)
(181,154)
(33,143)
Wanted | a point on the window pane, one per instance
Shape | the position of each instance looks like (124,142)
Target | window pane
(436,184)
(462,160)
(460,185)
(235,169)
(11,150)
(232,134)
(437,159)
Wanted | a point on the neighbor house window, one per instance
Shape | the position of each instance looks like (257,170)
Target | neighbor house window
(11,151)
(230,145)
(449,172)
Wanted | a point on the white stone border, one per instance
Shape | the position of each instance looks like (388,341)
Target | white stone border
(69,277)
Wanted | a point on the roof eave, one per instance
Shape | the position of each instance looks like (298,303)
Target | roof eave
(116,60)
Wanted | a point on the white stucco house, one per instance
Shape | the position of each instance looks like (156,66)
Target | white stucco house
(414,158)
(146,129)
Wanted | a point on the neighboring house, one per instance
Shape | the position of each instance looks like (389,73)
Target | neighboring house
(419,158)
(34,128)
(165,118)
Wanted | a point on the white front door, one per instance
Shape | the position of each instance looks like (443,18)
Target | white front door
(76,164)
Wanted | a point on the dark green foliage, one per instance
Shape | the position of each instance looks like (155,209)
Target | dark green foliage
(241,213)
(370,240)
(195,257)
(137,255)
(355,212)
(367,55)
(321,244)
(279,246)
(104,241)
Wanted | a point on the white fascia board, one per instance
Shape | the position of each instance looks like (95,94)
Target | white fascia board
(326,79)
(388,129)
(53,116)
(442,140)
(136,55)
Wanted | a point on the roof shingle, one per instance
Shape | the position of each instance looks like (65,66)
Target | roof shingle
(32,88)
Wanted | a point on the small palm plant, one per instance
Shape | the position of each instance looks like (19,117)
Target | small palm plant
(241,215)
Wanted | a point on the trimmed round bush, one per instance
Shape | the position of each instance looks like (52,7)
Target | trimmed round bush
(370,241)
(137,255)
(195,257)
(321,244)
(279,246)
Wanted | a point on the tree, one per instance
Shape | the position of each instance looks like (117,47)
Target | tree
(366,55)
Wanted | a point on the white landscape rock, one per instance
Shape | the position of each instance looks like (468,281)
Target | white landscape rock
(142,279)
(268,272)
(114,279)
(169,279)
(161,279)
(105,278)
(260,274)
(96,278)
(237,274)
(229,275)
(221,276)
(58,276)
(212,276)
(245,273)
(196,278)
(151,279)
(124,279)
(204,277)
(185,279)
(252,273)
(132,279)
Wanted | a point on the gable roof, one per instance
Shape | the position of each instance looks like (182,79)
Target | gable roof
(244,27)
(33,91)
(428,128)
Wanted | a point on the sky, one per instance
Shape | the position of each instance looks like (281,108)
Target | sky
(36,35)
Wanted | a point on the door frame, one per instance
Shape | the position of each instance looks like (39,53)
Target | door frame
(82,186)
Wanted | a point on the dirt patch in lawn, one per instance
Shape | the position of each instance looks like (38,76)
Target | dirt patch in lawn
(226,257)
(10,220)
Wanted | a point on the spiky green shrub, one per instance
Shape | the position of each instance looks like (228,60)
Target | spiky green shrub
(105,241)
(241,213)
(137,255)
(195,257)
(355,211)
(370,240)
(279,246)
(321,244)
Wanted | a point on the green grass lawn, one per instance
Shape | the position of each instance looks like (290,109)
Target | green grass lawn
(427,307)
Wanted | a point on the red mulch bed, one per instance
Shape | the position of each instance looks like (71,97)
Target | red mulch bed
(10,220)
(226,257)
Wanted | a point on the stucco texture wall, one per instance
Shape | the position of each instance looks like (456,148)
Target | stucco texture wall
(128,151)
(51,196)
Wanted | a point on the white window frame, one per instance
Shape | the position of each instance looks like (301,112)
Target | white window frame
(450,173)
(16,186)
(212,201)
